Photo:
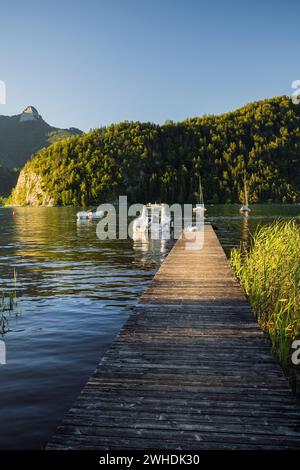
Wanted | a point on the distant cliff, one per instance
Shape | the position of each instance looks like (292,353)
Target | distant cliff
(30,190)
(151,162)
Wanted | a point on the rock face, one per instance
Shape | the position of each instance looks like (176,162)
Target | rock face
(30,114)
(29,191)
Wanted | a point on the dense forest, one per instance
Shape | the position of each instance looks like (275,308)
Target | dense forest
(150,162)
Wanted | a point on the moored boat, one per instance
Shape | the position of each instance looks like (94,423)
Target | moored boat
(154,218)
(245,209)
(200,205)
(90,214)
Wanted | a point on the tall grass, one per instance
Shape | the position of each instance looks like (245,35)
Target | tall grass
(270,276)
(8,305)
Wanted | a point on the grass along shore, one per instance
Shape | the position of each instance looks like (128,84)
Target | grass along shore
(269,273)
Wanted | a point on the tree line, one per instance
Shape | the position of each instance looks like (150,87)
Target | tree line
(150,162)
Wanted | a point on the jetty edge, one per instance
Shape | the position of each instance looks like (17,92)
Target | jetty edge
(190,369)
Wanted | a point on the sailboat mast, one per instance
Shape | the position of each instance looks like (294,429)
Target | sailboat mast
(245,190)
(201,200)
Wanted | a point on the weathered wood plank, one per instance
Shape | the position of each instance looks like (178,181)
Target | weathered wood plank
(189,369)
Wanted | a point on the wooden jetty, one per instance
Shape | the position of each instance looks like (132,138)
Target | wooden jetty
(190,369)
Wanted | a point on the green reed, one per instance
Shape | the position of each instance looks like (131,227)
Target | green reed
(270,276)
(8,305)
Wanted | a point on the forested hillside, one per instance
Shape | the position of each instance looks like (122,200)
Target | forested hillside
(151,162)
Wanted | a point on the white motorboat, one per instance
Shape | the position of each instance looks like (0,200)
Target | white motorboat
(141,223)
(90,214)
(155,218)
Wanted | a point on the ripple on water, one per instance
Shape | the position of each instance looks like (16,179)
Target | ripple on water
(76,292)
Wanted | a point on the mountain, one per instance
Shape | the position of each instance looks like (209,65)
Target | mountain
(30,114)
(151,162)
(20,137)
(24,134)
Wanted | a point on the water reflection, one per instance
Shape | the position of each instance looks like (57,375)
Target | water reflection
(158,243)
(245,232)
(75,293)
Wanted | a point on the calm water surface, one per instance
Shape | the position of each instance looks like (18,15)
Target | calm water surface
(75,292)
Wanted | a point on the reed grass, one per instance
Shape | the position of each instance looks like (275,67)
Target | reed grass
(8,305)
(269,273)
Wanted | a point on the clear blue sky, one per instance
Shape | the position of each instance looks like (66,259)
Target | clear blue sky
(90,63)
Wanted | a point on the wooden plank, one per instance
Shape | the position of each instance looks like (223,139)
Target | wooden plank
(189,369)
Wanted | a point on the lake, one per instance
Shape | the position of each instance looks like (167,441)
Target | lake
(75,292)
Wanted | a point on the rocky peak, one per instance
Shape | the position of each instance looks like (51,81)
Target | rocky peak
(30,114)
